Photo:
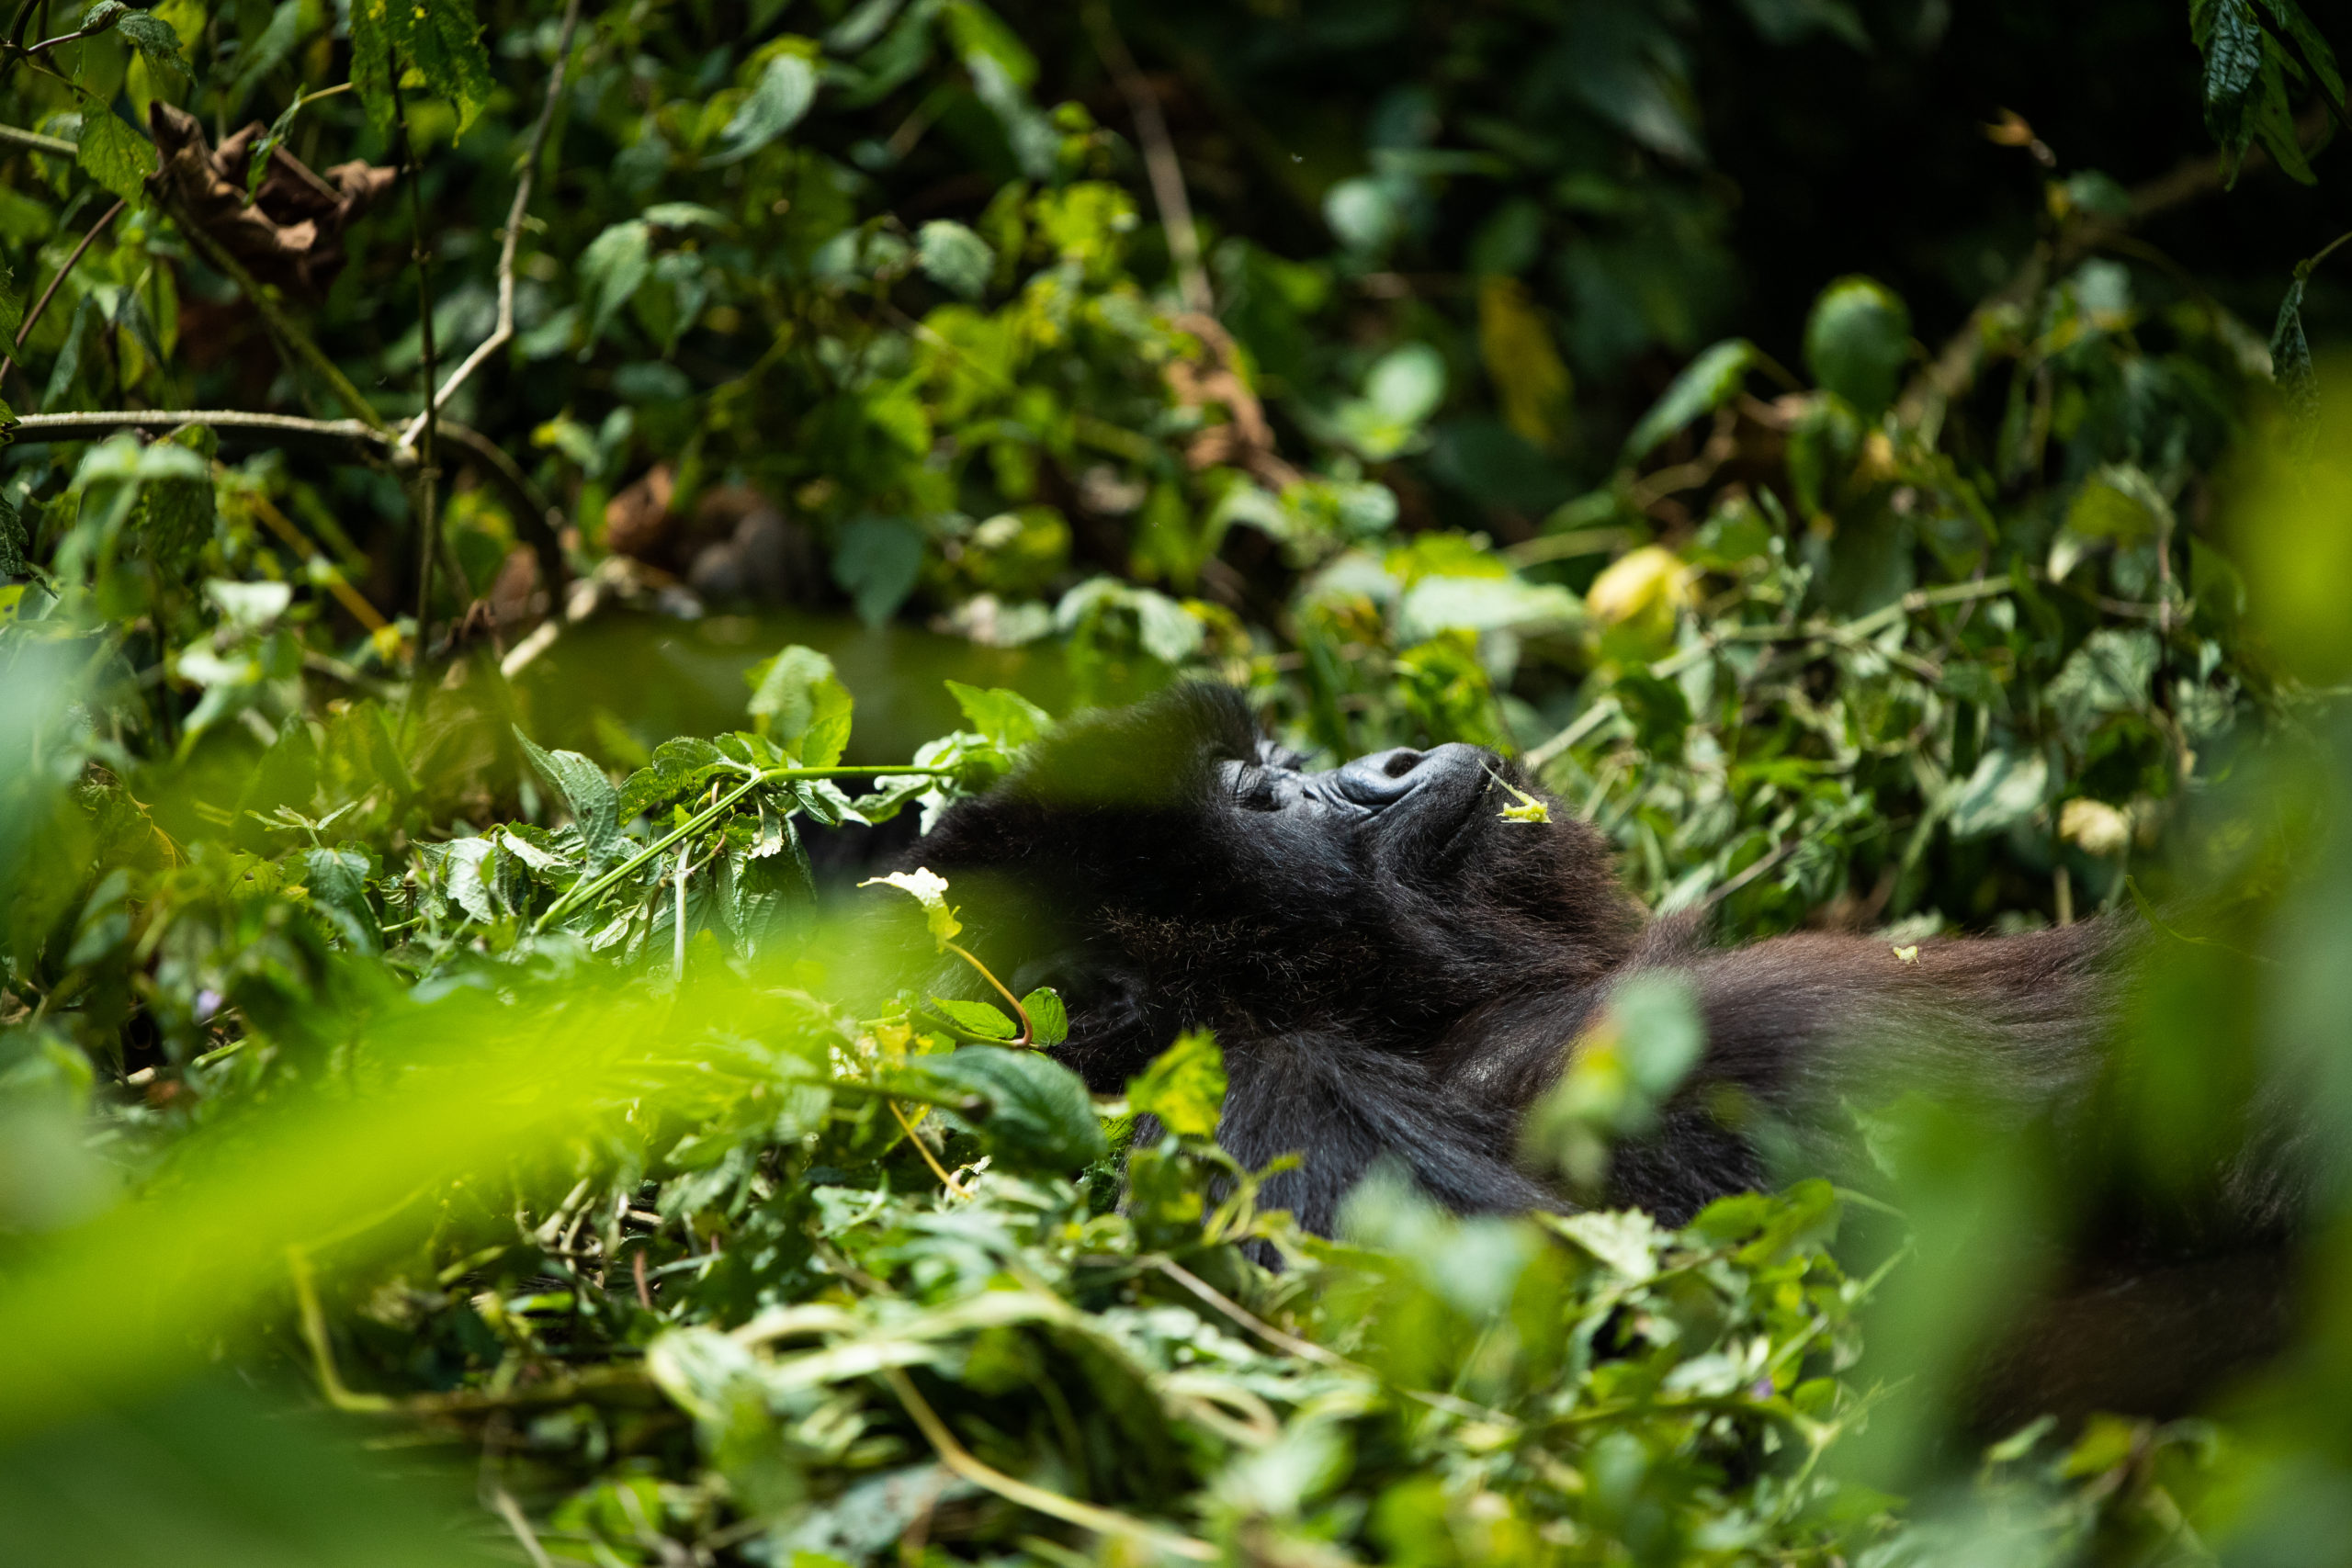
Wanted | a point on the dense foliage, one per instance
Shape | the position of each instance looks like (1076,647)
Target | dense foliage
(430,981)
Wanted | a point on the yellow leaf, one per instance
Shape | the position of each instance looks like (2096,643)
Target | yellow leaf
(1531,381)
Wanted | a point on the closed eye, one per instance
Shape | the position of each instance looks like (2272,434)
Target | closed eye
(1253,787)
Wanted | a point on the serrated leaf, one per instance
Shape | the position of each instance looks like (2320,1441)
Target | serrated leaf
(1005,717)
(338,884)
(676,768)
(1038,1112)
(798,702)
(1048,1019)
(782,96)
(371,59)
(976,1018)
(446,43)
(156,41)
(116,156)
(2005,788)
(2317,53)
(2290,357)
(594,802)
(1184,1086)
(1705,385)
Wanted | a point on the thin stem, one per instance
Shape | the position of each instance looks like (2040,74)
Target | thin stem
(1052,1505)
(1159,162)
(1028,1036)
(305,348)
(928,1158)
(314,1332)
(33,141)
(678,917)
(504,332)
(32,317)
(428,476)
(2325,250)
(701,820)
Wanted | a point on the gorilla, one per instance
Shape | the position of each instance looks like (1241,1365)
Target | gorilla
(1397,974)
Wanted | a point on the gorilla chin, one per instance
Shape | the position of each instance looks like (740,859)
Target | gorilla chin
(1397,974)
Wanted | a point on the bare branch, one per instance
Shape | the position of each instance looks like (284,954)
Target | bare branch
(34,141)
(504,332)
(1158,160)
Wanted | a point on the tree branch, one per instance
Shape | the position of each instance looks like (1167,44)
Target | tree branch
(503,332)
(1158,160)
(56,147)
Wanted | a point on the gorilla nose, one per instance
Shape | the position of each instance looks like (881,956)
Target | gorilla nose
(1384,777)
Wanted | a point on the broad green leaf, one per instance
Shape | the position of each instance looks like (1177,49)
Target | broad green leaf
(338,881)
(372,37)
(615,264)
(2288,17)
(1048,1020)
(12,304)
(2007,787)
(116,156)
(2111,673)
(976,1017)
(954,258)
(1004,716)
(595,806)
(1184,1086)
(446,43)
(1038,1112)
(1706,384)
(878,561)
(2291,356)
(677,767)
(13,545)
(778,100)
(2119,503)
(928,888)
(1857,343)
(798,702)
(155,41)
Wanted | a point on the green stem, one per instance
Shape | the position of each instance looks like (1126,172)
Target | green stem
(581,891)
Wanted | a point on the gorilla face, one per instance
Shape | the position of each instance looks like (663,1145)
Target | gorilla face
(1168,869)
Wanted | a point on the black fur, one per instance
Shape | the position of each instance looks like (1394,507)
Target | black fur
(1396,973)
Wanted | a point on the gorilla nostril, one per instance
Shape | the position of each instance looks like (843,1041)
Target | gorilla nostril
(1399,763)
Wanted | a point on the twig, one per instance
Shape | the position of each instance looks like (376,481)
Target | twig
(503,1501)
(314,1331)
(1052,1505)
(1289,1344)
(347,596)
(1158,160)
(504,332)
(428,476)
(923,1149)
(32,317)
(303,345)
(56,147)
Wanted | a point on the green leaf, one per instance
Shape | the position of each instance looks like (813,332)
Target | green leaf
(371,59)
(12,304)
(14,545)
(976,1019)
(929,890)
(1706,384)
(595,806)
(2290,357)
(1004,716)
(1857,342)
(2289,17)
(2111,673)
(1048,1020)
(446,43)
(338,881)
(878,561)
(2232,37)
(615,264)
(778,100)
(954,258)
(2007,787)
(157,43)
(1038,1116)
(799,704)
(1184,1086)
(676,768)
(116,156)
